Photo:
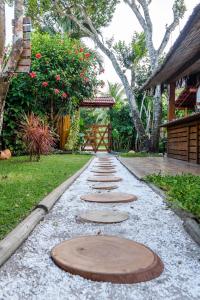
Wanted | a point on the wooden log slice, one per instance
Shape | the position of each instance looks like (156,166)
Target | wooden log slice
(104,216)
(109,197)
(104,179)
(105,158)
(104,167)
(103,174)
(108,258)
(104,187)
(103,171)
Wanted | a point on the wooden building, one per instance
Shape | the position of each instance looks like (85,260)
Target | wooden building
(180,71)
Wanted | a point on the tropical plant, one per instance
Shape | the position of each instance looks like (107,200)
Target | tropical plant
(63,73)
(73,138)
(37,136)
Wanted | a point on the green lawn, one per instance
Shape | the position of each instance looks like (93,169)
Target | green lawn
(183,191)
(23,184)
(140,154)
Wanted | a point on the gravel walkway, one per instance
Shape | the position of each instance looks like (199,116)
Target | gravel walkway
(31,274)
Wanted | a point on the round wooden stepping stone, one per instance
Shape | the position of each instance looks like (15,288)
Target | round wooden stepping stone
(107,258)
(104,216)
(105,158)
(103,174)
(104,179)
(105,166)
(109,197)
(106,162)
(103,171)
(104,187)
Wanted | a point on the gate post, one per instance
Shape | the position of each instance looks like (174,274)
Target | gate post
(110,137)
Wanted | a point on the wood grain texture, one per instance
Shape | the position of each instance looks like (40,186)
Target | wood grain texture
(105,179)
(108,258)
(109,197)
(104,187)
(104,216)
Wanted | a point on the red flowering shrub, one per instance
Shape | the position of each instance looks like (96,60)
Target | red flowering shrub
(32,74)
(45,84)
(64,95)
(37,136)
(87,55)
(38,55)
(56,91)
(56,83)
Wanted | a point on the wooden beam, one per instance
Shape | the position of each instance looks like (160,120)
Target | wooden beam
(171,107)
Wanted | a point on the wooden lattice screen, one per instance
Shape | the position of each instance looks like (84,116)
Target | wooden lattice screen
(98,138)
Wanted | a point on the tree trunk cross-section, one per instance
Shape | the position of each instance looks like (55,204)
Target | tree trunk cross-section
(104,187)
(105,179)
(108,258)
(104,216)
(104,170)
(109,197)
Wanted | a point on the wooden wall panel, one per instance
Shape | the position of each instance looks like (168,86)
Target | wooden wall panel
(184,142)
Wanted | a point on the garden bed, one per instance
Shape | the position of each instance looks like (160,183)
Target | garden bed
(183,191)
(23,184)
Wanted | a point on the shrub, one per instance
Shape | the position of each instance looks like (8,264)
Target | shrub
(61,76)
(37,136)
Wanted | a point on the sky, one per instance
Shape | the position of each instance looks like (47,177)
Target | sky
(124,23)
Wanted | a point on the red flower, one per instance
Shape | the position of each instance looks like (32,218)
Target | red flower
(38,55)
(87,55)
(64,95)
(57,77)
(33,74)
(45,84)
(81,74)
(56,91)
(86,79)
(81,49)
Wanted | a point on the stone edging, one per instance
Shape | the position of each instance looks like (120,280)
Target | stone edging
(18,235)
(189,223)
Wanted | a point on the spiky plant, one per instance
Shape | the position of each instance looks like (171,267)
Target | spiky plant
(37,136)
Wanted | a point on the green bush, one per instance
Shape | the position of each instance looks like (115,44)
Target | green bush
(183,190)
(63,73)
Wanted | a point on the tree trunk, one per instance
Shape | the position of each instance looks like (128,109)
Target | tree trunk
(144,141)
(2,32)
(3,91)
(157,116)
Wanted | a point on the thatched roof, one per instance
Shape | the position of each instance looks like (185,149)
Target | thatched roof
(183,58)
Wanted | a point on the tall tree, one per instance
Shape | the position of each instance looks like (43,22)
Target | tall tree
(90,16)
(8,63)
(140,8)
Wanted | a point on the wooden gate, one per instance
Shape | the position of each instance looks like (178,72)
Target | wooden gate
(97,138)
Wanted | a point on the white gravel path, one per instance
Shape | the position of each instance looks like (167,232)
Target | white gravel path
(31,274)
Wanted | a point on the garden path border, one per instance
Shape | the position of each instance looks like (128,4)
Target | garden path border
(21,232)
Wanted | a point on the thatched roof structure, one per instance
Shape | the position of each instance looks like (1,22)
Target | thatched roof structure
(183,58)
